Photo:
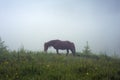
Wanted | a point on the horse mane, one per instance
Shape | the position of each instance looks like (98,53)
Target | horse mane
(53,41)
(57,40)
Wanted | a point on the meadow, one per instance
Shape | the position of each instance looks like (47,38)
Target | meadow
(36,65)
(28,65)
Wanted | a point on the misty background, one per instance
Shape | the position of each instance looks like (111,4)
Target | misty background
(32,22)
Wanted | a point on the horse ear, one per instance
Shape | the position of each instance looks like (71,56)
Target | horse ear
(45,43)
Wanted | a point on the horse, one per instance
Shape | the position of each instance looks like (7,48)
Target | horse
(62,45)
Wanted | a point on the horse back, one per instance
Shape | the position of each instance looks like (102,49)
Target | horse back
(64,45)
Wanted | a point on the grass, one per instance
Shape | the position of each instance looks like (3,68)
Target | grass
(26,65)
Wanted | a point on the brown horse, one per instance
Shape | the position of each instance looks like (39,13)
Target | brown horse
(58,44)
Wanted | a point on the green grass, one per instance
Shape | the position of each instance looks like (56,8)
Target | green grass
(23,65)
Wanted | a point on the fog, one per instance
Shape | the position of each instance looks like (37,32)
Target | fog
(32,22)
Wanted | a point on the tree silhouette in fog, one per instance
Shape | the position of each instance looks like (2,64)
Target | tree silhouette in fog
(87,49)
(3,47)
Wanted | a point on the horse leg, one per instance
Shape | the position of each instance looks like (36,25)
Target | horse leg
(67,52)
(73,52)
(57,51)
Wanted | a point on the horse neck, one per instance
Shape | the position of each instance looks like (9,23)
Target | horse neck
(50,44)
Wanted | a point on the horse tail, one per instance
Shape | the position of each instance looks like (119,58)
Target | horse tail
(73,49)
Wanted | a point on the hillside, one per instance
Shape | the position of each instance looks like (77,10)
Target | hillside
(27,65)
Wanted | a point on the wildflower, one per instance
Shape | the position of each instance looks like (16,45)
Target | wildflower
(6,62)
(87,73)
(6,75)
(96,68)
(17,76)
(48,65)
(16,73)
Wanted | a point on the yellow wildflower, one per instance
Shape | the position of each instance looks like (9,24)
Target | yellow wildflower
(87,73)
(6,62)
(48,65)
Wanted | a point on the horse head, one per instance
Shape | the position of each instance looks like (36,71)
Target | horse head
(46,47)
(48,44)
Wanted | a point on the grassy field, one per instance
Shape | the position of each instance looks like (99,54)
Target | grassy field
(23,65)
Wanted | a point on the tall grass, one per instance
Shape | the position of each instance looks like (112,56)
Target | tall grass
(27,65)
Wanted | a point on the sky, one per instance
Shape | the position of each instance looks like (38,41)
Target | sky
(31,23)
